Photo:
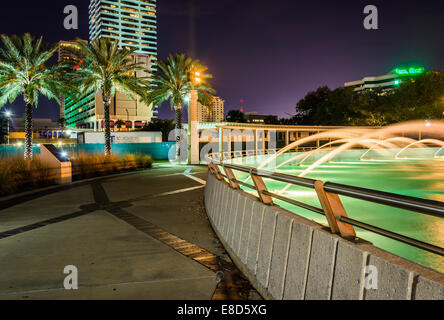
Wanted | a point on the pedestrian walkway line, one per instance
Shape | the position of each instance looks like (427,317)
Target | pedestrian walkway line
(187,174)
(196,179)
(177,191)
(45,223)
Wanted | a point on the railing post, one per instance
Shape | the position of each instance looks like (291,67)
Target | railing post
(231,178)
(215,170)
(260,186)
(210,167)
(333,208)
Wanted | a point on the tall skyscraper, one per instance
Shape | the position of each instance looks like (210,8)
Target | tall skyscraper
(133,24)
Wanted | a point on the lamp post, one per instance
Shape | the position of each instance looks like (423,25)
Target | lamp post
(193,130)
(8,117)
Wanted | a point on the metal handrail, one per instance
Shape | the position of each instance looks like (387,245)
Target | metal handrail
(395,236)
(295,202)
(422,206)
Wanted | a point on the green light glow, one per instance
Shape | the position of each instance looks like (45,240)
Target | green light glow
(409,71)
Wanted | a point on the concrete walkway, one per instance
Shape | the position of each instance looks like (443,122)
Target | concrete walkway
(109,228)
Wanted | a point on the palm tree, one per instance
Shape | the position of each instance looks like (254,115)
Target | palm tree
(105,69)
(62,125)
(23,73)
(173,81)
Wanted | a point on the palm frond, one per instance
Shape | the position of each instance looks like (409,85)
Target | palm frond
(106,69)
(23,70)
(173,81)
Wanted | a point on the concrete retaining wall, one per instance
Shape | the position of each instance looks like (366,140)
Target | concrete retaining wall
(289,257)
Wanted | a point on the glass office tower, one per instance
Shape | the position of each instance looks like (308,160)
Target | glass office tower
(131,22)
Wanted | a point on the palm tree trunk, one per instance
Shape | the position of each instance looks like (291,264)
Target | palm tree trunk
(28,131)
(178,131)
(106,103)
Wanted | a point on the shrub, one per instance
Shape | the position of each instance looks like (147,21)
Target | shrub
(17,174)
(91,165)
(144,161)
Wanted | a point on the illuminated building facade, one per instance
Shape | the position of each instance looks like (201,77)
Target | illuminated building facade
(386,82)
(212,113)
(133,24)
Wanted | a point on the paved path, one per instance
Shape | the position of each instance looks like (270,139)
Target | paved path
(140,235)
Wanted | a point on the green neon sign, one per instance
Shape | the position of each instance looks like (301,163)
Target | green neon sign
(409,71)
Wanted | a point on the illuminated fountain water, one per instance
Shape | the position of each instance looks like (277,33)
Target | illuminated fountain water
(406,158)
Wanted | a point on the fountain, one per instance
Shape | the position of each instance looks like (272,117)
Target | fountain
(405,158)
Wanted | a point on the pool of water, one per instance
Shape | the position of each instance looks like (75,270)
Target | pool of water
(417,176)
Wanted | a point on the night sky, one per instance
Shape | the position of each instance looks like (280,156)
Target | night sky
(270,53)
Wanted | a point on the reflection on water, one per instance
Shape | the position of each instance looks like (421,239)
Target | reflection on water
(417,178)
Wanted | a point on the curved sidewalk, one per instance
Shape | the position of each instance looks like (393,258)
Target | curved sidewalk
(142,235)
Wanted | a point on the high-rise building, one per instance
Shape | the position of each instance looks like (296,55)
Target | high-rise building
(212,113)
(87,112)
(133,24)
(65,56)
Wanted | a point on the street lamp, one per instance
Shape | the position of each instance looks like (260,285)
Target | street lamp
(8,117)
(195,78)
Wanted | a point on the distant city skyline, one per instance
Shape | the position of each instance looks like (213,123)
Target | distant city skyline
(302,45)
